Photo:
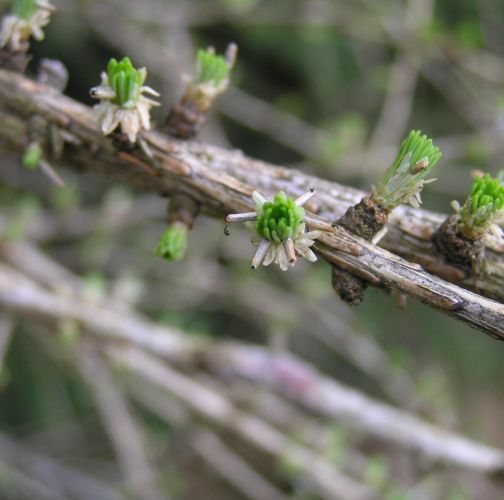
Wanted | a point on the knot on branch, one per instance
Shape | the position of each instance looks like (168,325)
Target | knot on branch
(455,247)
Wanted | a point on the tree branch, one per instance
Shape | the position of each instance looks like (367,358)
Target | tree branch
(285,373)
(222,181)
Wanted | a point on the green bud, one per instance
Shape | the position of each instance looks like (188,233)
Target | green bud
(125,80)
(280,219)
(24,9)
(404,179)
(211,68)
(32,156)
(173,242)
(483,205)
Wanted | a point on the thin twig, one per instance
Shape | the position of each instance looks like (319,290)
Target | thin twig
(330,483)
(286,373)
(123,429)
(233,468)
(50,472)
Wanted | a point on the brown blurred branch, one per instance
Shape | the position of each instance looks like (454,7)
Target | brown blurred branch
(231,467)
(121,426)
(334,327)
(205,443)
(53,475)
(329,483)
(284,373)
(222,181)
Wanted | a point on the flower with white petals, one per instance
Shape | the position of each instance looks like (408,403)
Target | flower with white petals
(27,19)
(123,103)
(279,230)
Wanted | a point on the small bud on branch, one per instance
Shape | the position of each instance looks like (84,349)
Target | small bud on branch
(27,19)
(173,242)
(123,103)
(483,206)
(405,178)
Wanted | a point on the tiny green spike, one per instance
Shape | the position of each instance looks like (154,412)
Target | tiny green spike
(32,156)
(173,242)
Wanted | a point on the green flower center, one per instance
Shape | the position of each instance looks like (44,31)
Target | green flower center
(126,81)
(280,219)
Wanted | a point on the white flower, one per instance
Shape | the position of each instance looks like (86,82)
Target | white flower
(133,116)
(16,31)
(284,252)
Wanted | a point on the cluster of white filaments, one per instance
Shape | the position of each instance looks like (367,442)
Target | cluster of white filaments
(132,116)
(16,31)
(273,250)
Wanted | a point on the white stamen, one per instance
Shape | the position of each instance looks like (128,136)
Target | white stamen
(102,92)
(260,253)
(306,253)
(143,113)
(110,120)
(245,217)
(289,250)
(301,200)
(150,90)
(259,198)
(270,256)
(150,102)
(281,258)
(46,6)
(37,32)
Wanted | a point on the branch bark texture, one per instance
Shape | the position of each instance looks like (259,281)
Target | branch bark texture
(222,181)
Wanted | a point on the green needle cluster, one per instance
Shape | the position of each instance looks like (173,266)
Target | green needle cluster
(173,242)
(211,68)
(280,219)
(404,179)
(483,205)
(126,81)
(24,9)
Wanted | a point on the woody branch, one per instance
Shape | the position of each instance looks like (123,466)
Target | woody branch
(222,181)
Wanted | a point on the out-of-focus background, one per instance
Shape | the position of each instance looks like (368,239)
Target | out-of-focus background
(329,87)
